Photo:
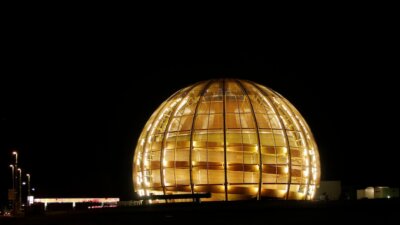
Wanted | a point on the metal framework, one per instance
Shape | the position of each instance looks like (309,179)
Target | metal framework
(232,138)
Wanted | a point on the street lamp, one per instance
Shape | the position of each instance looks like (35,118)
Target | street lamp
(12,197)
(29,183)
(13,178)
(16,157)
(19,192)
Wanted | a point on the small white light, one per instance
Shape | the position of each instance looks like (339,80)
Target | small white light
(286,170)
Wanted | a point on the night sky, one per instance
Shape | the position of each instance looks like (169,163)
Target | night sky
(75,98)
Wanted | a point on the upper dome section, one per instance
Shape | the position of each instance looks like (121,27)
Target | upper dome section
(233,138)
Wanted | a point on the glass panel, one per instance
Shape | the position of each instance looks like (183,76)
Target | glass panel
(182,155)
(274,121)
(186,123)
(244,105)
(216,105)
(199,156)
(269,178)
(232,88)
(250,158)
(257,103)
(263,121)
(169,155)
(282,159)
(266,138)
(291,139)
(232,121)
(183,136)
(251,177)
(199,176)
(233,138)
(200,136)
(247,120)
(216,177)
(155,178)
(216,138)
(249,137)
(182,176)
(174,124)
(235,176)
(204,107)
(216,156)
(234,157)
(170,141)
(155,146)
(231,105)
(189,110)
(155,155)
(282,178)
(269,159)
(279,138)
(158,138)
(169,176)
(201,122)
(215,121)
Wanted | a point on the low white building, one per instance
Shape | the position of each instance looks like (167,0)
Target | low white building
(377,192)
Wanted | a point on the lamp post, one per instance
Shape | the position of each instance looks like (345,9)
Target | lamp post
(19,189)
(15,167)
(12,175)
(29,198)
(16,157)
(12,193)
(29,183)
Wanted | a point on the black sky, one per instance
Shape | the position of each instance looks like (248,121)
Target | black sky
(75,98)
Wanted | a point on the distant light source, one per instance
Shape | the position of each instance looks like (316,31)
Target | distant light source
(388,196)
(30,200)
(24,183)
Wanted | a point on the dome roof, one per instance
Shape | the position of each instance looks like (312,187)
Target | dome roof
(233,138)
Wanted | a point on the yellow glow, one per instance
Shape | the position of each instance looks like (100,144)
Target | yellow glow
(283,192)
(75,200)
(141,192)
(286,169)
(191,140)
(306,173)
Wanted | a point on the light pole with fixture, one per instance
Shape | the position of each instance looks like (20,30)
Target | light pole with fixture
(29,183)
(11,193)
(13,178)
(16,157)
(19,189)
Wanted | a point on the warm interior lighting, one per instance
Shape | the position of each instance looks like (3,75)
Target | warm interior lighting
(233,138)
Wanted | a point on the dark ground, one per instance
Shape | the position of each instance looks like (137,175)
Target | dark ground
(264,212)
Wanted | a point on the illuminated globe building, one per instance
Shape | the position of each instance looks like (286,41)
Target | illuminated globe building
(232,138)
